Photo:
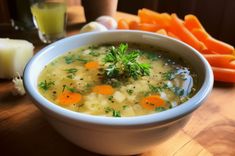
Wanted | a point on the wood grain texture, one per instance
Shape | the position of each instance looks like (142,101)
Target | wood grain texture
(24,130)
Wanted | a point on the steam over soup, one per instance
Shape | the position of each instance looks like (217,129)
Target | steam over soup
(117,80)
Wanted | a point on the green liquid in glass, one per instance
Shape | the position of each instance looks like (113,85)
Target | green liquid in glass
(50,17)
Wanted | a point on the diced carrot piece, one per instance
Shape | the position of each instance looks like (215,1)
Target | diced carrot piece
(103,89)
(224,74)
(92,65)
(151,102)
(68,98)
(123,24)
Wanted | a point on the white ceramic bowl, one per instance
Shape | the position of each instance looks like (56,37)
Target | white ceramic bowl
(126,135)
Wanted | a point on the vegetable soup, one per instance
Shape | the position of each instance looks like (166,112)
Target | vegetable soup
(117,80)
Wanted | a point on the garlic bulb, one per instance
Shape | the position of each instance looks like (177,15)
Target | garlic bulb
(18,85)
(108,21)
(93,26)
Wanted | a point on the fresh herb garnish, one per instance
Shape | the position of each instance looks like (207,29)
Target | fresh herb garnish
(45,85)
(123,64)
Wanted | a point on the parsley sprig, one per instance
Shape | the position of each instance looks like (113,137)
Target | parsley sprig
(123,63)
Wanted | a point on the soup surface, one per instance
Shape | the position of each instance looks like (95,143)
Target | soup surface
(117,80)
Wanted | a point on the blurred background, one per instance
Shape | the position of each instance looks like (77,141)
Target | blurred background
(217,16)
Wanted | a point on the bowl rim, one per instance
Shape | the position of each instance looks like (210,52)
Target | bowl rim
(169,115)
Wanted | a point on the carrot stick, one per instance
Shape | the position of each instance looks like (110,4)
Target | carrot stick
(68,98)
(172,35)
(220,60)
(92,65)
(192,22)
(213,44)
(207,51)
(152,17)
(103,89)
(178,28)
(123,24)
(143,26)
(224,74)
(152,101)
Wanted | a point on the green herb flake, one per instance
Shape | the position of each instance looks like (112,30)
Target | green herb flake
(81,59)
(155,89)
(125,107)
(71,72)
(152,56)
(107,109)
(170,75)
(71,89)
(178,91)
(116,113)
(159,109)
(129,91)
(94,53)
(69,59)
(45,85)
(110,98)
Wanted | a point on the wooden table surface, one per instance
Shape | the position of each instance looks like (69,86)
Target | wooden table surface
(25,132)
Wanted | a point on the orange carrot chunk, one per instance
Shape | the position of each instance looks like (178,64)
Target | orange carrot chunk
(92,65)
(220,60)
(123,24)
(68,98)
(224,74)
(178,28)
(103,89)
(151,102)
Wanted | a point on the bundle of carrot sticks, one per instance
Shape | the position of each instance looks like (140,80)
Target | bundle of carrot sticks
(220,55)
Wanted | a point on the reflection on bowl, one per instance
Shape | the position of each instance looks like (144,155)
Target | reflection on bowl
(126,135)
